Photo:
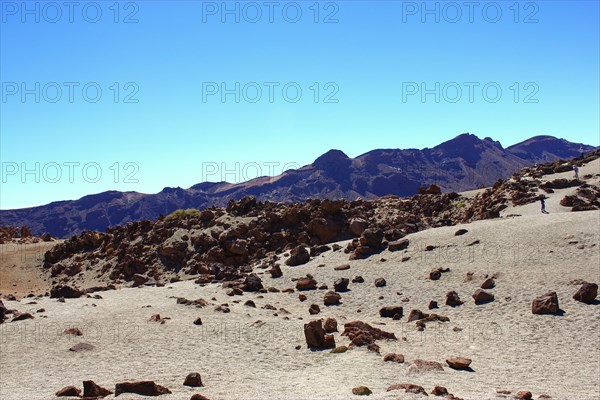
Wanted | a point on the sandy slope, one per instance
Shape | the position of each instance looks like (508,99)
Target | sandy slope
(510,347)
(20,268)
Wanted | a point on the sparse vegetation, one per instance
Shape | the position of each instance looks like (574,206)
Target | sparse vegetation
(182,214)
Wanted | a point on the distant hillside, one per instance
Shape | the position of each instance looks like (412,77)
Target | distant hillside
(463,163)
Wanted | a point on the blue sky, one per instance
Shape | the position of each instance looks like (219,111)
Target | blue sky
(161,120)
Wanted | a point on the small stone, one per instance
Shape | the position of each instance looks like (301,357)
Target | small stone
(361,391)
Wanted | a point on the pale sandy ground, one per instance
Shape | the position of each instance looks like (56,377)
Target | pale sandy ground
(511,348)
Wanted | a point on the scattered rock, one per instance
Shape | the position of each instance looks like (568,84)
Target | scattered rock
(408,388)
(419,366)
(92,390)
(339,349)
(380,282)
(315,335)
(82,347)
(69,391)
(314,309)
(523,395)
(432,304)
(193,380)
(361,391)
(66,292)
(453,300)
(332,299)
(460,232)
(22,317)
(482,297)
(144,388)
(341,285)
(395,312)
(587,293)
(342,267)
(362,334)
(458,362)
(489,283)
(298,256)
(545,304)
(198,321)
(358,279)
(330,325)
(73,331)
(199,397)
(394,357)
(307,283)
(275,271)
(398,245)
(302,297)
(439,391)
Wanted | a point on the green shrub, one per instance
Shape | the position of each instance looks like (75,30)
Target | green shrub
(182,214)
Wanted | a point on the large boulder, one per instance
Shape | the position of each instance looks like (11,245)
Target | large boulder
(92,390)
(362,334)
(341,284)
(298,256)
(315,336)
(69,391)
(372,238)
(391,312)
(398,245)
(358,226)
(458,362)
(252,283)
(65,291)
(482,297)
(307,283)
(587,293)
(332,299)
(193,380)
(545,304)
(453,300)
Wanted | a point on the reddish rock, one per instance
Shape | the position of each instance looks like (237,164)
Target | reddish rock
(482,297)
(489,283)
(199,397)
(22,317)
(415,315)
(302,297)
(357,226)
(82,347)
(391,312)
(275,271)
(66,292)
(439,391)
(435,275)
(460,232)
(419,365)
(343,267)
(314,309)
(193,380)
(523,395)
(92,390)
(315,336)
(298,256)
(453,300)
(332,299)
(587,293)
(393,357)
(363,334)
(408,388)
(69,391)
(307,283)
(398,245)
(432,304)
(330,325)
(252,283)
(73,331)
(341,285)
(380,282)
(144,388)
(458,362)
(545,304)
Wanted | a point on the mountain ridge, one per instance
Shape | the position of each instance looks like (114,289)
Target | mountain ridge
(462,163)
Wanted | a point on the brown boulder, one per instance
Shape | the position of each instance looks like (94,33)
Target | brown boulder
(73,331)
(482,297)
(66,292)
(372,238)
(362,334)
(453,300)
(439,391)
(523,395)
(22,317)
(298,256)
(587,293)
(275,271)
(144,388)
(408,388)
(314,309)
(435,275)
(395,312)
(92,390)
(69,391)
(545,304)
(332,299)
(315,336)
(358,226)
(82,347)
(458,362)
(361,391)
(393,357)
(330,325)
(424,366)
(307,283)
(489,283)
(199,397)
(380,282)
(193,380)
(398,245)
(415,315)
(252,283)
(341,284)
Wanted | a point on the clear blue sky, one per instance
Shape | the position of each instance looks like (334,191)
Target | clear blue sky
(370,57)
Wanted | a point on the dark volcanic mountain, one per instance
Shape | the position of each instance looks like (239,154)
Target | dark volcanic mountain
(463,163)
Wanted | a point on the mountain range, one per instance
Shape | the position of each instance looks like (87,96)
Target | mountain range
(463,163)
